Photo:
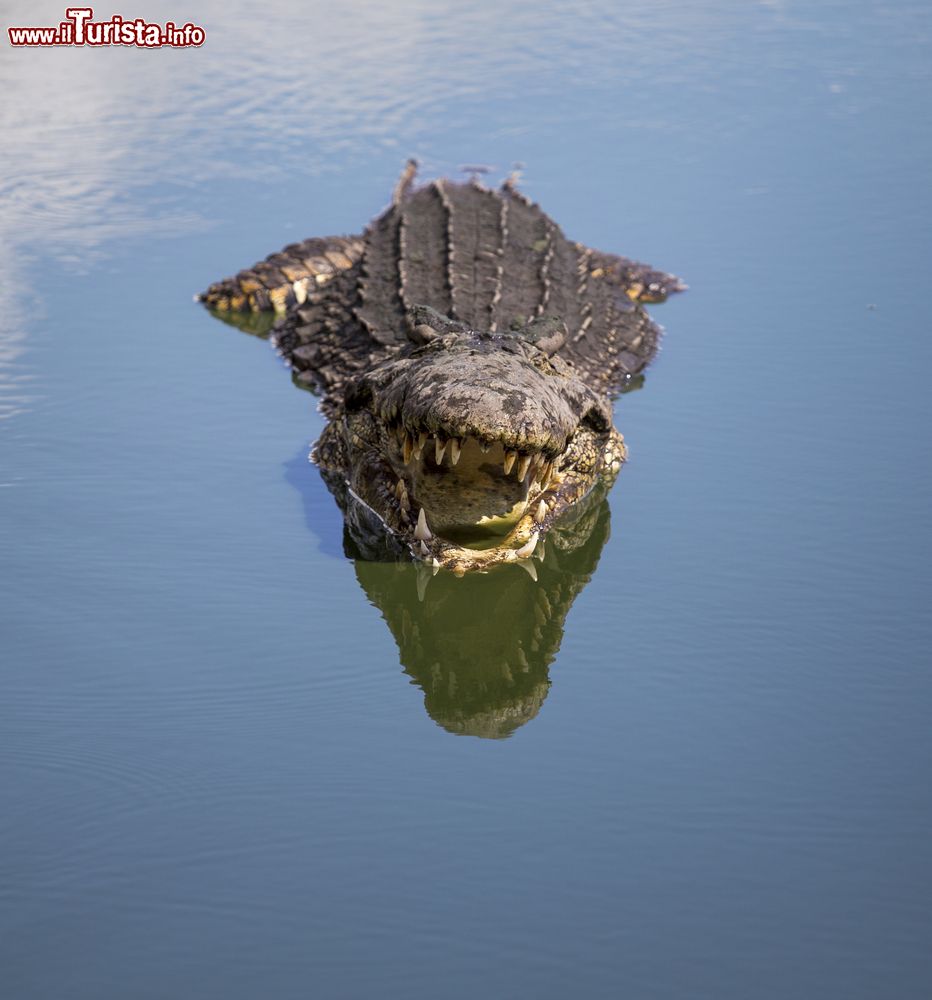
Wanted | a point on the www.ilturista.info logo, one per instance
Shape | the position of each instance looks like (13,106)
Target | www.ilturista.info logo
(79,28)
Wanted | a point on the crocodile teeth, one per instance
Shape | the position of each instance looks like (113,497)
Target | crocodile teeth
(523,466)
(454,450)
(541,512)
(423,578)
(407,449)
(530,569)
(440,446)
(422,548)
(510,457)
(399,489)
(422,532)
(528,549)
(419,446)
(537,466)
(484,446)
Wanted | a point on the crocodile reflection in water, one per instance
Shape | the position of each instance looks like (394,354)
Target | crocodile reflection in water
(479,646)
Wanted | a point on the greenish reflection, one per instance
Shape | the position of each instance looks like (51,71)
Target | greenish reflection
(480,647)
(255,324)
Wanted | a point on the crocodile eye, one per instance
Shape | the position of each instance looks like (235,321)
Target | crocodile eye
(357,396)
(422,334)
(546,333)
(598,417)
(424,324)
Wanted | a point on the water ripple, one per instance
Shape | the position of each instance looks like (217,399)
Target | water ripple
(106,144)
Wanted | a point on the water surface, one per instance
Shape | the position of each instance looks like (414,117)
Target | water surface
(237,763)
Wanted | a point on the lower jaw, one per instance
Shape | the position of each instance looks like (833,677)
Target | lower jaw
(456,552)
(443,553)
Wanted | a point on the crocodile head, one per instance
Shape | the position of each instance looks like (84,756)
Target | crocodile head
(469,445)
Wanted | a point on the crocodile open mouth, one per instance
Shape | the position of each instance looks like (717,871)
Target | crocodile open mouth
(468,503)
(472,491)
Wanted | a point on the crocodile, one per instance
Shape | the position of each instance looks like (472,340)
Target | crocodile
(467,354)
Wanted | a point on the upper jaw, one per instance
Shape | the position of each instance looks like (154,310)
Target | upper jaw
(505,392)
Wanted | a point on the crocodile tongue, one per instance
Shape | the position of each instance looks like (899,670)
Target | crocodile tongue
(472,499)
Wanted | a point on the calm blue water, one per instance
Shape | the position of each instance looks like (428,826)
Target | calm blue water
(233,762)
